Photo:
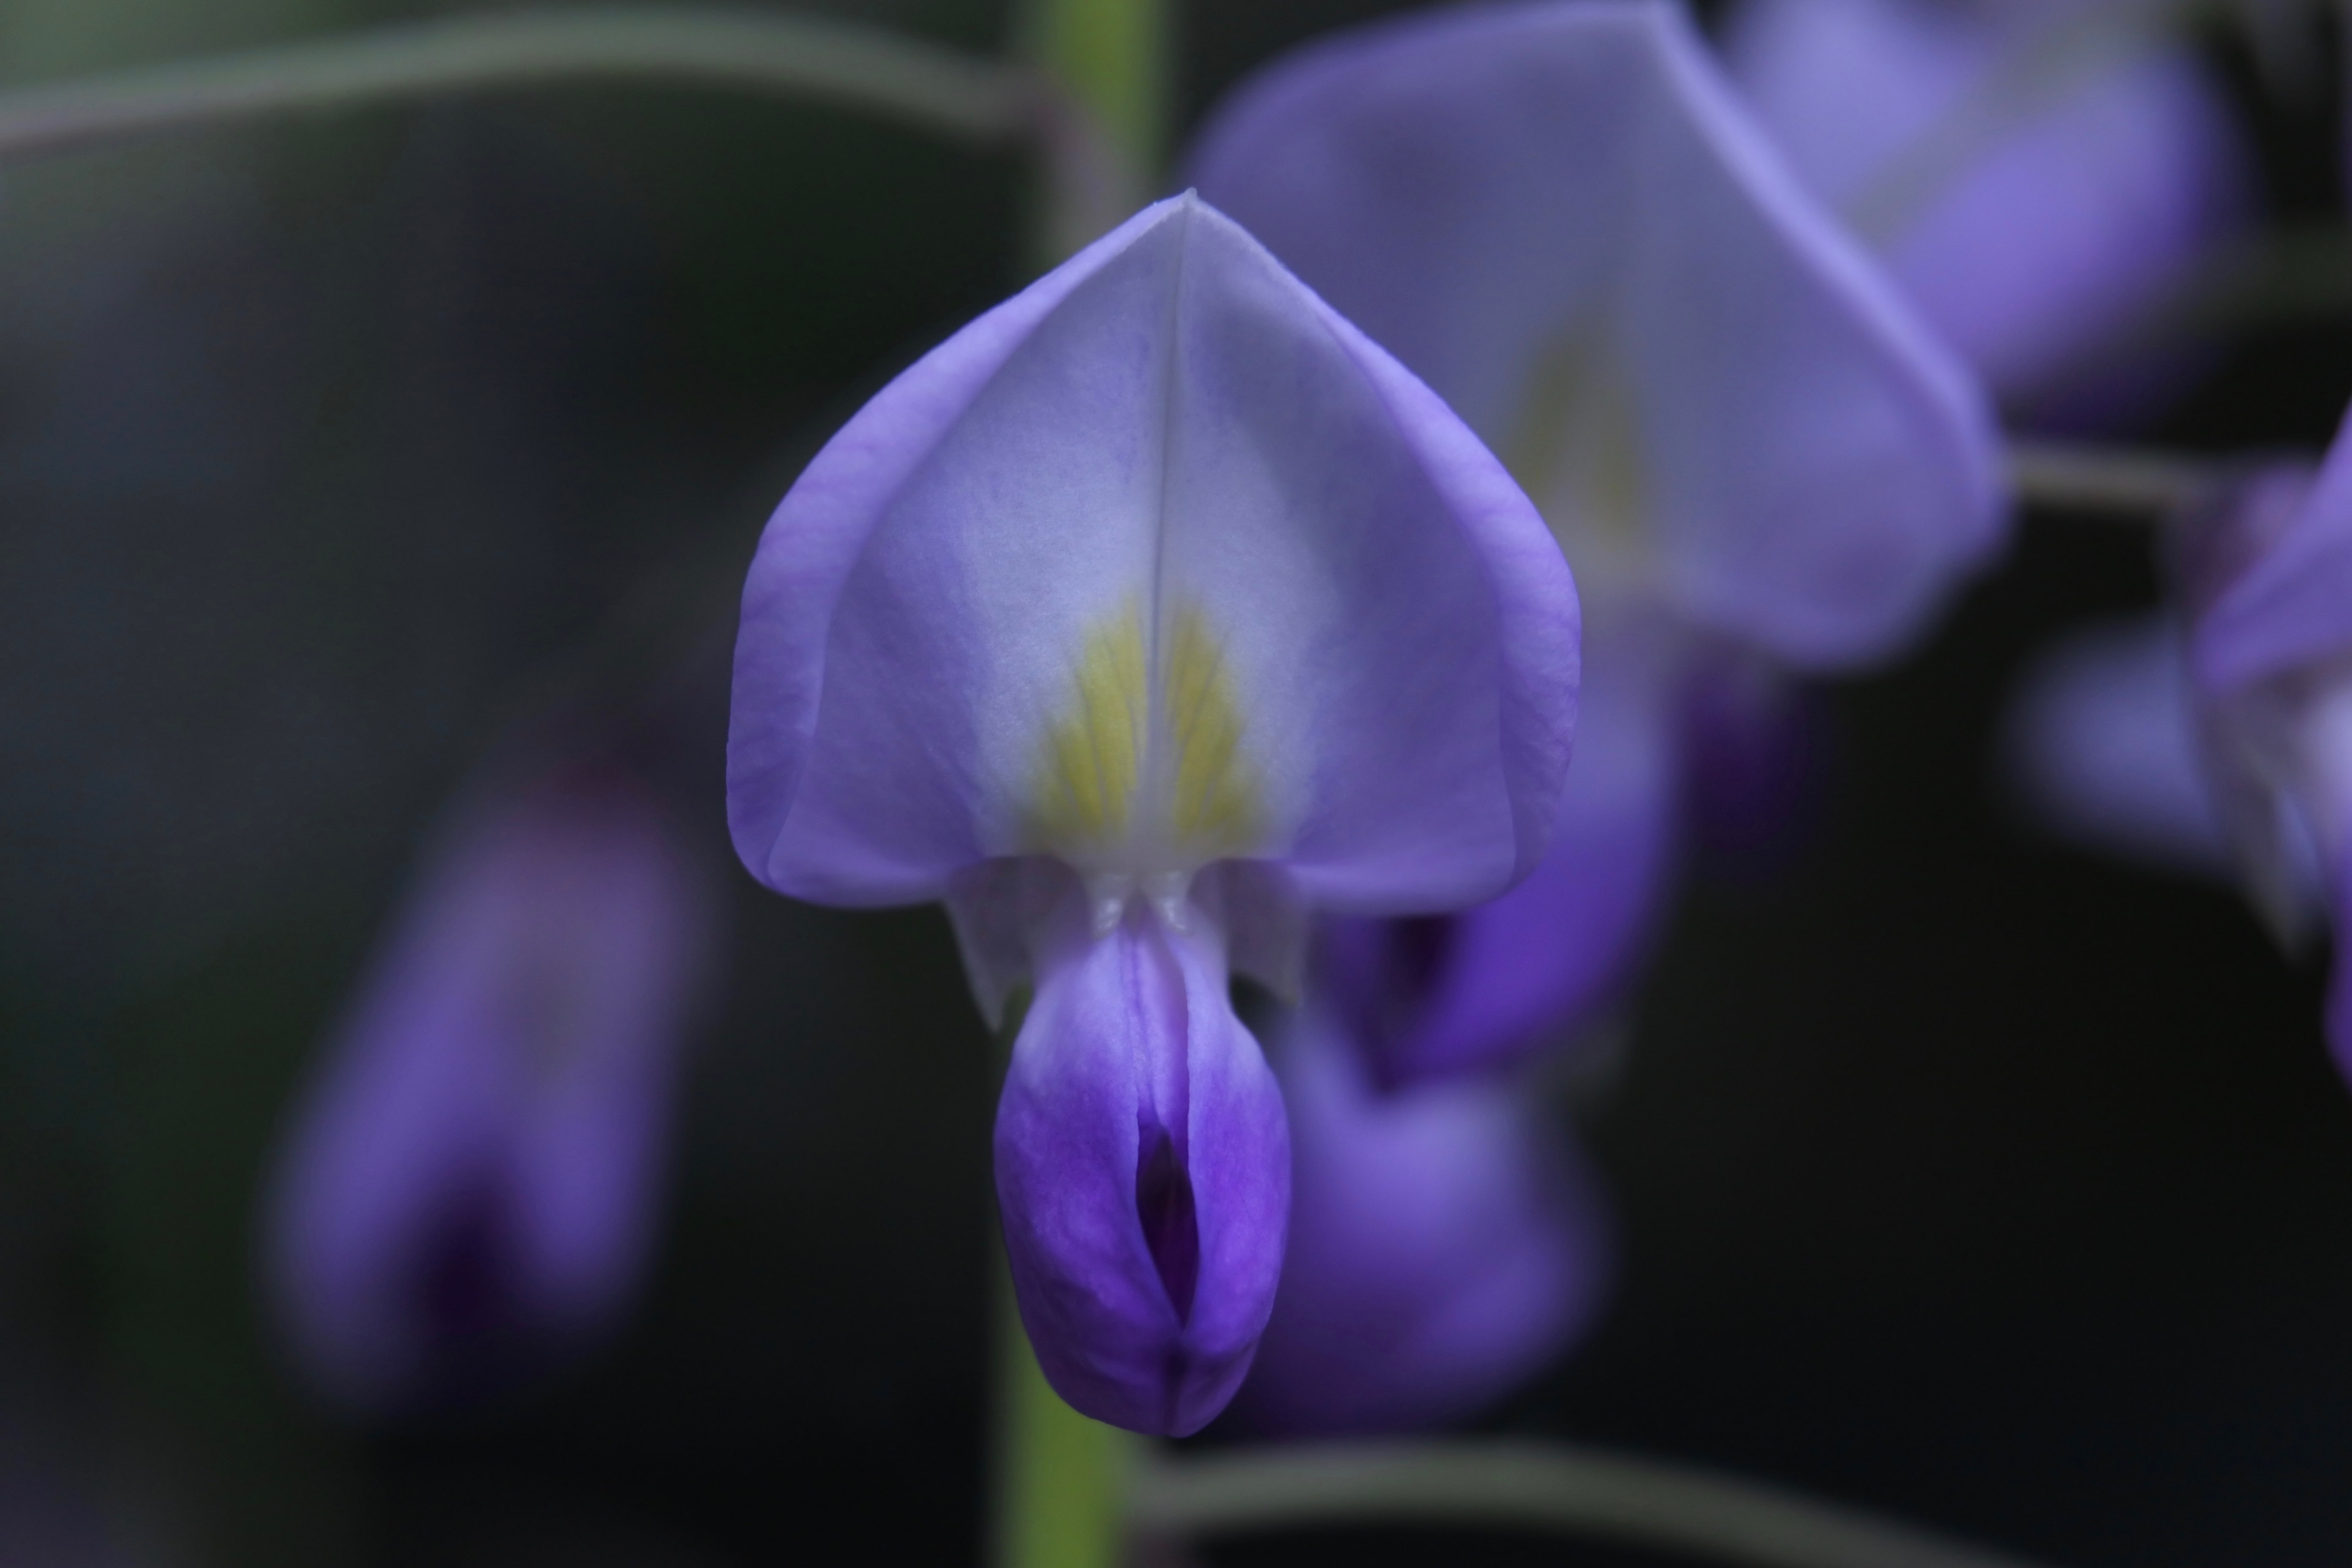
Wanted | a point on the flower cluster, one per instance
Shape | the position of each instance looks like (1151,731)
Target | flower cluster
(1367,574)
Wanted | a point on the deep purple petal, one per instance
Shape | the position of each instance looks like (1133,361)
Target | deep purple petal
(2339,982)
(1142,1173)
(2059,227)
(2102,743)
(1754,740)
(1531,200)
(475,1170)
(1471,992)
(1167,433)
(1445,1244)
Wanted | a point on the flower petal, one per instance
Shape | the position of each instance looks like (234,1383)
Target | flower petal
(1157,563)
(1535,205)
(2339,978)
(1445,1244)
(1753,743)
(2264,569)
(938,528)
(472,1177)
(2070,212)
(2270,573)
(1470,992)
(1142,1172)
(2102,744)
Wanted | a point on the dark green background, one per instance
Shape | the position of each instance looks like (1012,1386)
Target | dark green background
(1962,1175)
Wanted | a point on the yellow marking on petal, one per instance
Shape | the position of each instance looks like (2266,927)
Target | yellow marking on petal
(1576,448)
(1094,754)
(1216,808)
(1145,771)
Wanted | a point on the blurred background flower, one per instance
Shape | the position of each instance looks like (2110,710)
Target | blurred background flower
(472,1182)
(2041,178)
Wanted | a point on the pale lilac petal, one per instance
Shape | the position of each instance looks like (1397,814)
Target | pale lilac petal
(1442,995)
(912,553)
(1446,1243)
(1513,197)
(2276,580)
(2253,565)
(1377,574)
(1167,428)
(2097,199)
(474,1175)
(1142,1173)
(2101,742)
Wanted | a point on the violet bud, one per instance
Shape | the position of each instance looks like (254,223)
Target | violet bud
(470,1184)
(1445,1243)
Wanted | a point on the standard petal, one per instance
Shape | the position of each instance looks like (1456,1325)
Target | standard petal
(1557,215)
(1443,996)
(1160,564)
(1445,1244)
(1142,1173)
(2101,744)
(921,592)
(2058,215)
(471,1182)
(1401,630)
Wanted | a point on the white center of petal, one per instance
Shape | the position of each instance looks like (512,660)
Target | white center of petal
(1143,776)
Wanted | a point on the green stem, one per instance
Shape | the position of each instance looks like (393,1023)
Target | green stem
(1109,58)
(1532,1486)
(836,62)
(1111,54)
(1063,1480)
(2119,481)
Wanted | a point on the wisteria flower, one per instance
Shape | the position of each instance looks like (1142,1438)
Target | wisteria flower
(1153,608)
(470,1184)
(1739,432)
(2265,577)
(2039,176)
(1445,1243)
(2101,746)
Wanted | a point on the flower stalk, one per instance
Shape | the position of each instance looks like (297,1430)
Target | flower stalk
(1546,1487)
(1063,1479)
(867,68)
(1103,135)
(2123,482)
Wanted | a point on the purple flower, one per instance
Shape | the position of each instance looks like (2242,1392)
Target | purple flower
(1744,442)
(2102,746)
(1445,1243)
(1153,608)
(1441,996)
(470,1183)
(2266,578)
(2040,175)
